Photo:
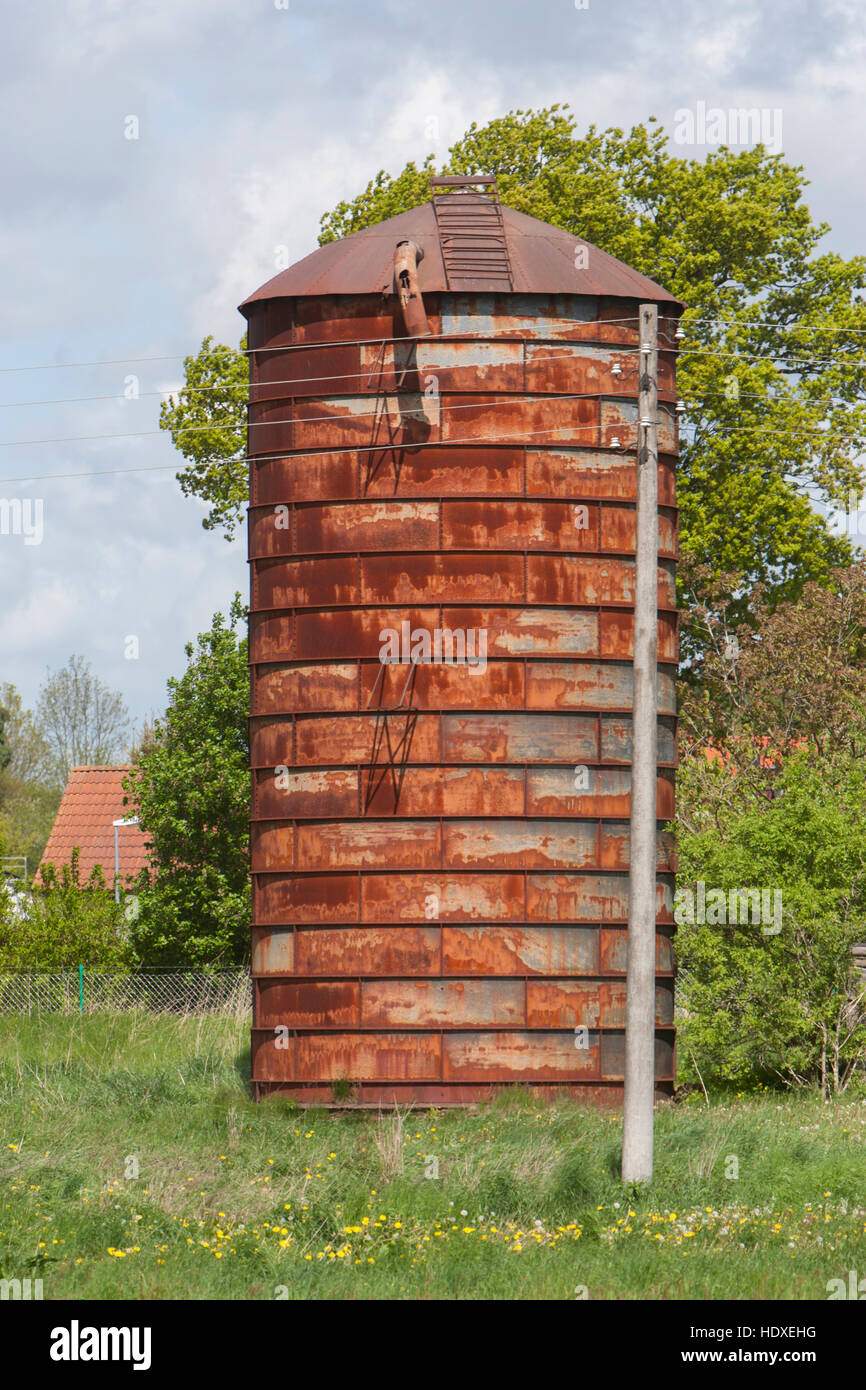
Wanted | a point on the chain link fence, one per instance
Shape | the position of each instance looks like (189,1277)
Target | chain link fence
(181,993)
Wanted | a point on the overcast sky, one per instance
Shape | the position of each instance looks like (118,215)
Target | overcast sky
(254,117)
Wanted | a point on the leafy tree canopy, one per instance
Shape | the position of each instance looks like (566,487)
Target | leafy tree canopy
(774,994)
(771,791)
(772,369)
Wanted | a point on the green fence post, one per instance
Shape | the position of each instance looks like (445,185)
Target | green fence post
(81,988)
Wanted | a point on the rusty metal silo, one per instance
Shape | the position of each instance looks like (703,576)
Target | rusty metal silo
(442,535)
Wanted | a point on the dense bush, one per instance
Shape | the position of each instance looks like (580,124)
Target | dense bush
(778,998)
(772,796)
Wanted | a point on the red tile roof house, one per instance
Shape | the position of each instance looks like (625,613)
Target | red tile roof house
(92,802)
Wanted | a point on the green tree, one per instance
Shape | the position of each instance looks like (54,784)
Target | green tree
(190,790)
(772,368)
(772,796)
(207,424)
(63,922)
(794,679)
(29,794)
(779,998)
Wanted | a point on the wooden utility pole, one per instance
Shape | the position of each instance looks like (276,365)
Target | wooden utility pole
(637,1135)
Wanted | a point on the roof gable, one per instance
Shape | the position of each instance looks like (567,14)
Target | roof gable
(92,801)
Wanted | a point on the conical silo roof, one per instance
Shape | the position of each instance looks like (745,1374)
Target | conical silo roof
(542,259)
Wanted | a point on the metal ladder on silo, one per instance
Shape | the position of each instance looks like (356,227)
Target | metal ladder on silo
(472,233)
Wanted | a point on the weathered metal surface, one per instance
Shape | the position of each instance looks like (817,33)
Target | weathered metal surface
(585,897)
(480,470)
(514,631)
(368,951)
(442,1003)
(519,738)
(287,528)
(482,737)
(527,1057)
(374,1096)
(443,897)
(441,539)
(544,260)
(580,791)
(520,950)
(586,1003)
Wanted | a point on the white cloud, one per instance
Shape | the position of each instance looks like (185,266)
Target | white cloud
(253,122)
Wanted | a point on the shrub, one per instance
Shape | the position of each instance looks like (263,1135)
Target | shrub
(63,922)
(759,1003)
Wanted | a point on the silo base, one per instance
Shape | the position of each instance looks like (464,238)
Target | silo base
(375,1097)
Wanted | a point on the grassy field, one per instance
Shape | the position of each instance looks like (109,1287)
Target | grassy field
(234,1200)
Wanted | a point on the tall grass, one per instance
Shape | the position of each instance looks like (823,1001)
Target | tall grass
(236,1200)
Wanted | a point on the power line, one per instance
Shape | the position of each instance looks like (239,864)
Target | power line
(774,323)
(313,453)
(571,430)
(286,381)
(376,413)
(287,347)
(305,381)
(106,362)
(367,342)
(302,382)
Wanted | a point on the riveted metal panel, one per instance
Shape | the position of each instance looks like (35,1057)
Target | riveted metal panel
(523,844)
(528,1057)
(285,689)
(306,583)
(306,792)
(468,682)
(589,791)
(614,947)
(590,685)
(578,579)
(584,897)
(443,897)
(272,846)
(529,631)
(445,578)
(587,1003)
(369,845)
(520,950)
(518,738)
(273,952)
(581,474)
(520,525)
(443,1003)
(486,791)
(613,1056)
(617,634)
(368,1056)
(615,739)
(324,1004)
(280,898)
(482,469)
(352,739)
(368,951)
(361,632)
